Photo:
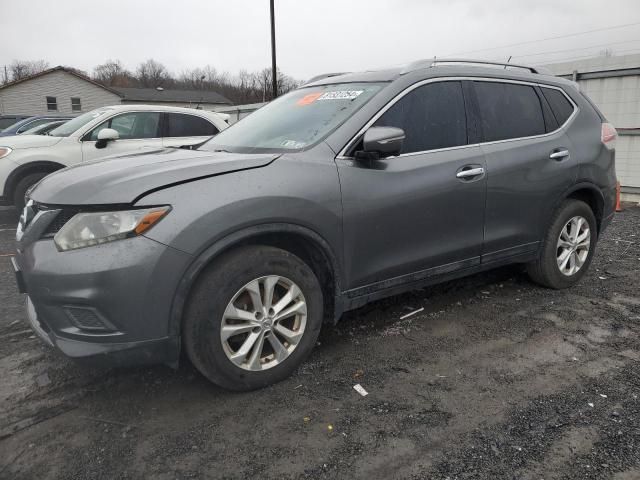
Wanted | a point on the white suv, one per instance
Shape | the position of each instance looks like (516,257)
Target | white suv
(26,159)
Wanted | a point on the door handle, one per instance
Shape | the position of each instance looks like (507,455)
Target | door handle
(559,154)
(471,172)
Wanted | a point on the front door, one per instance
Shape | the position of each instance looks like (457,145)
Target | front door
(137,130)
(420,213)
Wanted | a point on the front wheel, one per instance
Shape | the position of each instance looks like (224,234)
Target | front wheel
(253,317)
(23,185)
(568,246)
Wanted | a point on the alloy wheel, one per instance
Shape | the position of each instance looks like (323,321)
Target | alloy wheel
(263,323)
(573,245)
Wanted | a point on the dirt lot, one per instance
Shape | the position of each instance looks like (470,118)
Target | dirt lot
(496,378)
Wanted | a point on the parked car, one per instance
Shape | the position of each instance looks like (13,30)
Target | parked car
(350,189)
(7,120)
(28,123)
(25,160)
(44,129)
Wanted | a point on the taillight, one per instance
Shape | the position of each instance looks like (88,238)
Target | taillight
(608,135)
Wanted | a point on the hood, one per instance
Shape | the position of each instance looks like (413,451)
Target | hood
(124,178)
(17,142)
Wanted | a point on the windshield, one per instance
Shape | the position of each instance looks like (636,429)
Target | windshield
(74,124)
(296,120)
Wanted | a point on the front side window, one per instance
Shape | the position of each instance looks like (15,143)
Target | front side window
(76,106)
(181,125)
(52,104)
(509,110)
(296,120)
(131,126)
(432,116)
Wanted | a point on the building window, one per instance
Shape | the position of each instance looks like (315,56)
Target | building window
(52,103)
(75,104)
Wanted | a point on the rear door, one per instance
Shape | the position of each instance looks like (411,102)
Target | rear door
(183,129)
(413,216)
(529,166)
(137,130)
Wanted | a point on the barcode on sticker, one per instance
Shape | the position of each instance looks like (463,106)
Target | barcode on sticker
(360,389)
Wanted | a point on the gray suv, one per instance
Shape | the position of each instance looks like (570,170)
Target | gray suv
(354,187)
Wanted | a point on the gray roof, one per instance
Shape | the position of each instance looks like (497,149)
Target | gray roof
(165,95)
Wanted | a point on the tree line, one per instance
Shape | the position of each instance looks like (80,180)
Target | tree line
(243,87)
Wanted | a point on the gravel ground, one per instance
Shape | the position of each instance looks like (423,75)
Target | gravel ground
(495,378)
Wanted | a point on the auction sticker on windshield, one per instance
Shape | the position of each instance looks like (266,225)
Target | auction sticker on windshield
(308,99)
(333,95)
(340,95)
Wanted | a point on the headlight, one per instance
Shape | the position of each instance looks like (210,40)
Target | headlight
(4,151)
(94,228)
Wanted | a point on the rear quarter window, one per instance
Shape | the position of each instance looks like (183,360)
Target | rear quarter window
(179,125)
(509,110)
(562,108)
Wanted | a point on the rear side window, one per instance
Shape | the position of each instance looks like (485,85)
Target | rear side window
(562,108)
(432,116)
(179,125)
(509,110)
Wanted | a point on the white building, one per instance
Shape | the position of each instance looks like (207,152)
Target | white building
(65,91)
(613,83)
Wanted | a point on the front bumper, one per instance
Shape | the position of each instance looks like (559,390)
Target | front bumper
(164,350)
(109,304)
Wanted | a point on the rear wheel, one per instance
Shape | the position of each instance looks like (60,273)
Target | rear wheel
(253,317)
(23,185)
(568,246)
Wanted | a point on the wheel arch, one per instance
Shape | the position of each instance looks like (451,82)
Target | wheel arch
(27,169)
(301,241)
(592,196)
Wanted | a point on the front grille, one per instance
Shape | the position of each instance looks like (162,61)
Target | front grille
(59,221)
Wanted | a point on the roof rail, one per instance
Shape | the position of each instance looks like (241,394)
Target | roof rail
(435,61)
(322,76)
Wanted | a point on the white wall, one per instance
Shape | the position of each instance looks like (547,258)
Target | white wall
(238,112)
(29,97)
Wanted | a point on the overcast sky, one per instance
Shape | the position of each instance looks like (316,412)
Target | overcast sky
(313,36)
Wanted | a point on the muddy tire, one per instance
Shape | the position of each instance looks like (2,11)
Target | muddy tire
(568,246)
(253,316)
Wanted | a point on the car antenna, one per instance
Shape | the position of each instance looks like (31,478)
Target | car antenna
(508,60)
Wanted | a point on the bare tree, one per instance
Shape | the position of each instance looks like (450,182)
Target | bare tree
(152,74)
(113,74)
(245,87)
(21,69)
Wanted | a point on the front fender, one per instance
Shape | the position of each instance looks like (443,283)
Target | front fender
(192,272)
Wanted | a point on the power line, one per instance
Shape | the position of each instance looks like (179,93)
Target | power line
(548,38)
(569,59)
(575,49)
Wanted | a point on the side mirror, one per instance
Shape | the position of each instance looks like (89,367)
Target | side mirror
(105,136)
(381,142)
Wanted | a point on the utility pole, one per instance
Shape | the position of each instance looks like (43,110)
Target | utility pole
(274,73)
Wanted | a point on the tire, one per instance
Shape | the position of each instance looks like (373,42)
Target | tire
(207,310)
(546,270)
(23,185)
